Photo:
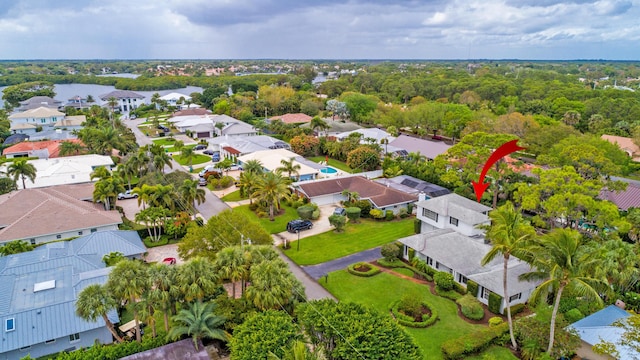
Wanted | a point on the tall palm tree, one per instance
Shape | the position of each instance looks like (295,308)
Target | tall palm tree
(100,173)
(145,194)
(95,301)
(128,281)
(231,264)
(562,264)
(163,291)
(247,183)
(107,189)
(198,279)
(318,124)
(198,321)
(21,169)
(178,145)
(161,160)
(70,147)
(509,235)
(106,139)
(271,188)
(253,166)
(187,154)
(271,285)
(190,193)
(140,161)
(289,167)
(113,102)
(163,196)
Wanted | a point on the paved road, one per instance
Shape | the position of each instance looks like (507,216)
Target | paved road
(212,205)
(320,270)
(312,289)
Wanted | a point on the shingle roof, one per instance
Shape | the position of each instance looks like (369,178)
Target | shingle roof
(625,144)
(292,118)
(380,195)
(623,199)
(50,314)
(428,148)
(39,101)
(121,94)
(467,211)
(43,211)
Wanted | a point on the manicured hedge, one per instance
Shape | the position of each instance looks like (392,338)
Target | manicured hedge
(470,307)
(406,320)
(472,287)
(517,309)
(495,321)
(417,225)
(473,343)
(451,294)
(390,264)
(495,301)
(459,288)
(374,270)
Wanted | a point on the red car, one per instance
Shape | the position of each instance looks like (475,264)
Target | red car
(169,261)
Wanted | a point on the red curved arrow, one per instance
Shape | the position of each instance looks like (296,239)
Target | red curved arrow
(505,149)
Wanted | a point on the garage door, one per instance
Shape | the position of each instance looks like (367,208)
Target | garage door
(201,135)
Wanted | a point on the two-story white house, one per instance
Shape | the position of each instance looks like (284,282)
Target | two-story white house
(126,100)
(26,122)
(451,241)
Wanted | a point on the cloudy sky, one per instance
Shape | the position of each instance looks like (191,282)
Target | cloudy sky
(320,29)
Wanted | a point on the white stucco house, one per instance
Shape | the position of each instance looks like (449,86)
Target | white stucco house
(450,241)
(126,100)
(175,99)
(27,121)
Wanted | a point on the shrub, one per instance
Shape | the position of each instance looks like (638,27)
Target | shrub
(373,270)
(388,215)
(403,213)
(495,301)
(472,287)
(410,304)
(517,309)
(390,252)
(315,215)
(417,225)
(495,321)
(338,222)
(444,280)
(573,315)
(470,307)
(459,288)
(253,206)
(567,303)
(365,207)
(409,321)
(412,254)
(422,266)
(464,346)
(394,263)
(451,295)
(353,213)
(376,214)
(305,212)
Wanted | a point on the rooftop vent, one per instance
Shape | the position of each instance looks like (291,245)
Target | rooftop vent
(45,285)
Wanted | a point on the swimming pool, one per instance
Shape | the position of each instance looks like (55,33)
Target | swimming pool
(328,170)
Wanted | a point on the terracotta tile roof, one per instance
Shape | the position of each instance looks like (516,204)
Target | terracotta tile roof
(625,144)
(378,194)
(43,211)
(623,199)
(230,150)
(53,147)
(293,118)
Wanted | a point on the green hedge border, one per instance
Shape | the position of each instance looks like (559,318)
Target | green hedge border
(408,321)
(374,270)
(473,343)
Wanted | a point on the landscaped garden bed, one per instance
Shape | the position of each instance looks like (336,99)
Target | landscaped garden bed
(413,313)
(363,269)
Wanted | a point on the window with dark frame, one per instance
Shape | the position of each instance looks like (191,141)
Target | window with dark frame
(74,337)
(10,324)
(515,297)
(453,221)
(430,214)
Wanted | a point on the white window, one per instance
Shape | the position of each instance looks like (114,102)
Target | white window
(9,324)
(453,221)
(79,232)
(429,261)
(74,337)
(485,293)
(515,297)
(430,214)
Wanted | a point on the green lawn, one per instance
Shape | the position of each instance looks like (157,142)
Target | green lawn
(334,163)
(197,159)
(279,224)
(234,196)
(164,141)
(173,149)
(355,238)
(382,289)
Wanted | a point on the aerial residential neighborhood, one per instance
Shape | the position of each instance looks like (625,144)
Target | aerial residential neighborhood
(232,220)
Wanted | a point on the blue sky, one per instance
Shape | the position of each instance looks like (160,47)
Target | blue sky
(326,29)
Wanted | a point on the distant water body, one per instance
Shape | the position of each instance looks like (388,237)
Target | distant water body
(65,92)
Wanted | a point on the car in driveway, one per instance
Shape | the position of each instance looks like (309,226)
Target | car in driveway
(209,152)
(127,195)
(169,261)
(202,181)
(340,211)
(294,226)
(200,147)
(235,167)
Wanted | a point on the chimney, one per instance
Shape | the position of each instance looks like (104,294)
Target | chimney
(422,196)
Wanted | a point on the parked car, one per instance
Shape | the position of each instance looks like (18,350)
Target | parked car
(200,147)
(215,157)
(169,261)
(214,172)
(127,195)
(340,211)
(208,152)
(163,128)
(298,225)
(202,181)
(235,167)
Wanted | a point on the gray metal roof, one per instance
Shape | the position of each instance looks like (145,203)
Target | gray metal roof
(50,313)
(467,211)
(121,94)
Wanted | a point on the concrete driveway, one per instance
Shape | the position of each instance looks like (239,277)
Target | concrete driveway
(319,226)
(158,253)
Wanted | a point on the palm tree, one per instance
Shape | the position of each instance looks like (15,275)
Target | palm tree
(140,161)
(178,145)
(160,160)
(144,193)
(163,196)
(198,321)
(128,281)
(21,169)
(253,166)
(197,279)
(289,167)
(100,173)
(231,264)
(187,154)
(127,170)
(271,188)
(113,102)
(271,285)
(562,264)
(318,123)
(95,301)
(106,139)
(509,235)
(70,147)
(247,183)
(107,189)
(190,193)
(163,288)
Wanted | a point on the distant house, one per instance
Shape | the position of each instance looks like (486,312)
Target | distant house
(374,135)
(450,241)
(41,149)
(623,199)
(39,290)
(78,102)
(242,145)
(272,159)
(415,186)
(297,118)
(599,327)
(39,101)
(625,144)
(53,213)
(407,144)
(71,122)
(227,126)
(27,121)
(208,126)
(191,111)
(174,98)
(329,191)
(126,100)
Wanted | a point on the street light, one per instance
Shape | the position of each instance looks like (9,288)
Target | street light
(298,231)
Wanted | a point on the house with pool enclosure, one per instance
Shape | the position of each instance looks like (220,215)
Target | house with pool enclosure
(272,159)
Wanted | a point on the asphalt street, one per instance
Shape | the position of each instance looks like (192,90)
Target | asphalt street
(320,270)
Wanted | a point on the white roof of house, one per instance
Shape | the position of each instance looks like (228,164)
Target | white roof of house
(249,144)
(22,126)
(238,128)
(40,112)
(468,211)
(271,160)
(373,133)
(76,120)
(189,121)
(175,96)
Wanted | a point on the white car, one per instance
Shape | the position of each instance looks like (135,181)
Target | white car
(127,195)
(235,167)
